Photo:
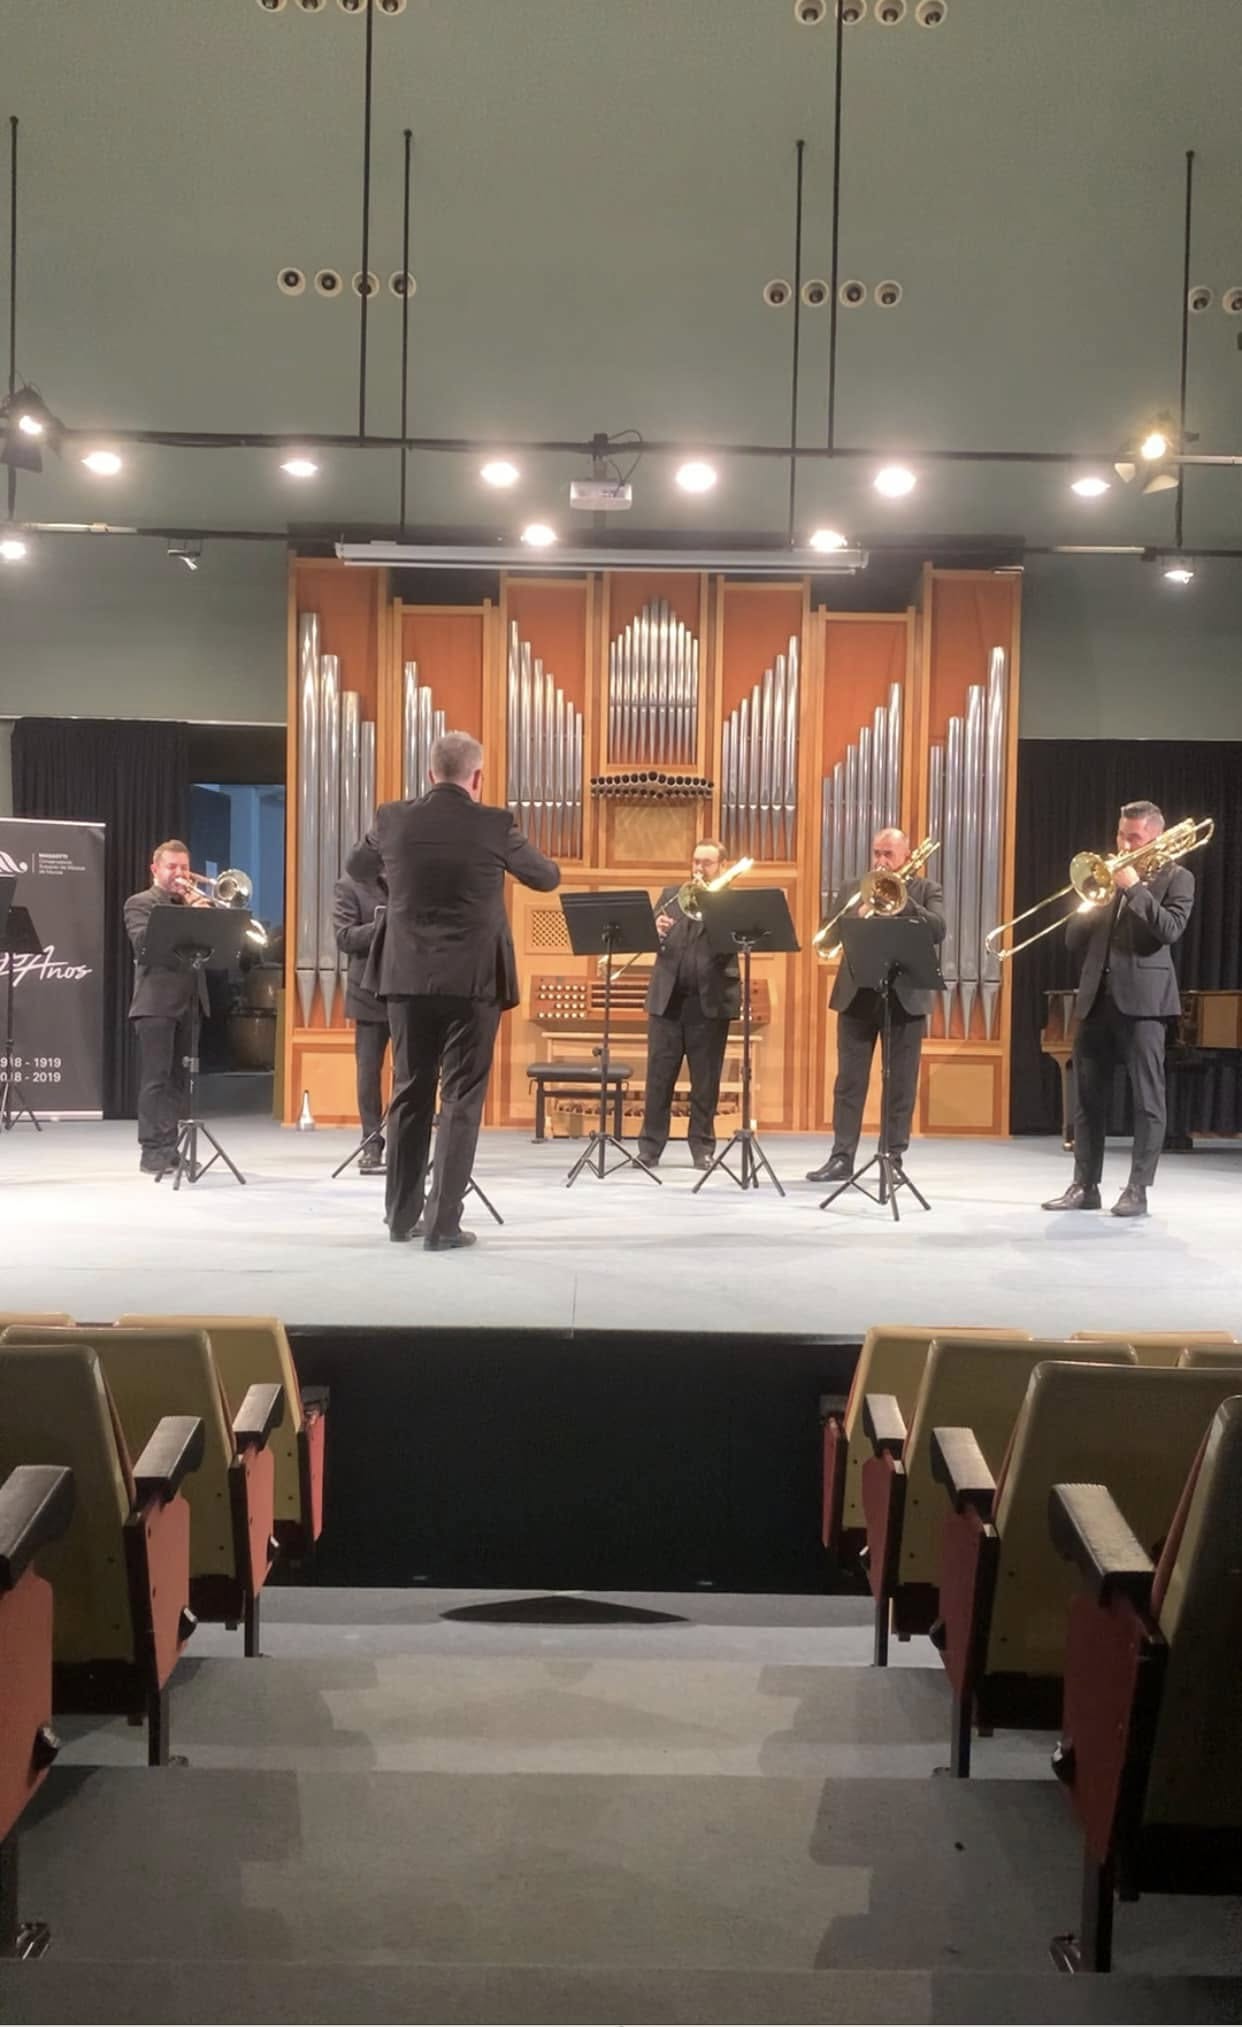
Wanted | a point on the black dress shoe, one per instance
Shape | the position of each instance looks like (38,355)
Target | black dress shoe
(649,1160)
(838,1168)
(371,1163)
(448,1242)
(403,1235)
(701,1160)
(1132,1203)
(1080,1196)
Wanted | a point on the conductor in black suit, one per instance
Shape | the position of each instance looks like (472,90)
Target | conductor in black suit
(859,1011)
(693,996)
(443,962)
(1127,990)
(160,1010)
(354,903)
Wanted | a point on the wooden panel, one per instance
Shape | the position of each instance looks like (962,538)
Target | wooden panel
(961,1094)
(350,604)
(1219,1020)
(322,1064)
(552,615)
(864,654)
(650,833)
(971,613)
(447,644)
(756,621)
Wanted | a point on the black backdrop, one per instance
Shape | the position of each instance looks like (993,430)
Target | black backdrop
(133,777)
(1069,793)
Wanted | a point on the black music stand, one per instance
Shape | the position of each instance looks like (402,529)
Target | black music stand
(472,1187)
(196,940)
(746,920)
(599,925)
(18,938)
(879,949)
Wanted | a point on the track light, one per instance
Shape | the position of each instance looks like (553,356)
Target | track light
(696,476)
(29,428)
(1177,570)
(500,472)
(538,535)
(189,552)
(300,467)
(1090,486)
(13,547)
(104,463)
(825,540)
(1154,445)
(894,481)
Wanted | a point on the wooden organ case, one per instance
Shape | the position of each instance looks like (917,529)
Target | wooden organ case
(624,715)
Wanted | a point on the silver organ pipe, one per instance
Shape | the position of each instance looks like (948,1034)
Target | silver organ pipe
(994,743)
(969,778)
(653,690)
(366,777)
(861,796)
(306,947)
(892,792)
(951,863)
(968,933)
(329,826)
(759,763)
(545,748)
(350,830)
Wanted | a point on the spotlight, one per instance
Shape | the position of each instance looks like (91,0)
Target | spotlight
(894,481)
(13,547)
(499,472)
(27,429)
(30,425)
(826,540)
(1090,486)
(189,553)
(538,535)
(1154,445)
(300,467)
(1178,571)
(696,476)
(104,463)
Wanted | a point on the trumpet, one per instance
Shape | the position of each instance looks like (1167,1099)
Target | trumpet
(1091,879)
(690,894)
(884,890)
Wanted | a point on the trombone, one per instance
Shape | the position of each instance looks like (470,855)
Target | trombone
(884,890)
(1091,879)
(689,898)
(230,889)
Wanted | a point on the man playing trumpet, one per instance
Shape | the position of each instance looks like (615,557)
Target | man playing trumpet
(160,1010)
(693,996)
(859,1012)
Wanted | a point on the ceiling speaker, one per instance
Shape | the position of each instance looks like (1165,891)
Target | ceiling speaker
(372,284)
(852,294)
(291,281)
(328,282)
(889,13)
(931,13)
(888,294)
(815,293)
(776,294)
(402,284)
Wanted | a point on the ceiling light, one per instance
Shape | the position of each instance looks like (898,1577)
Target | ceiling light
(1090,486)
(1180,572)
(30,424)
(499,472)
(13,548)
(826,540)
(538,535)
(300,467)
(188,552)
(105,463)
(696,477)
(1154,445)
(894,481)
(1165,480)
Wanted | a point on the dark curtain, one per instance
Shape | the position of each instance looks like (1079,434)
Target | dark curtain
(134,778)
(1069,794)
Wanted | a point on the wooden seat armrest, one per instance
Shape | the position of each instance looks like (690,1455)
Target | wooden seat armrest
(174,1450)
(1089,1530)
(960,1466)
(884,1425)
(315,1400)
(262,1411)
(36,1503)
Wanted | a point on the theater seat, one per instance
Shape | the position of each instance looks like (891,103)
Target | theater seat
(254,1350)
(1005,1593)
(1155,1347)
(1152,1748)
(891,1362)
(120,1573)
(1217,1356)
(36,1502)
(153,1372)
(47,1316)
(983,1377)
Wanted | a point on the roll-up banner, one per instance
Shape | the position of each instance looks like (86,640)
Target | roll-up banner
(57,991)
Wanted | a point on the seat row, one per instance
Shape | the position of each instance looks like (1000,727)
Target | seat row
(977,1477)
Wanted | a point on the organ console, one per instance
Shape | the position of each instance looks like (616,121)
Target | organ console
(1209,1028)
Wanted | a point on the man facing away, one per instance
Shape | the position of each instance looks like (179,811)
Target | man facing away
(693,996)
(443,961)
(859,1011)
(160,1010)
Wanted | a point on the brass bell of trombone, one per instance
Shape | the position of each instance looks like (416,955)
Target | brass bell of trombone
(690,894)
(884,890)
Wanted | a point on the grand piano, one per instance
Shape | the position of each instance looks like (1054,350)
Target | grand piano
(1209,1030)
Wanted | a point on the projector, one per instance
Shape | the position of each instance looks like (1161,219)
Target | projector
(600,496)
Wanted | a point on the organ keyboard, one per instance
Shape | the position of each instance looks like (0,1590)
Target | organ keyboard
(569,1002)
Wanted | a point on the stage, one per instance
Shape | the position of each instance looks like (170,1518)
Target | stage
(83,1231)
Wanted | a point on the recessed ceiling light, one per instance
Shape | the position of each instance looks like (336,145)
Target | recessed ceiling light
(538,535)
(300,467)
(499,472)
(12,548)
(826,539)
(894,481)
(1090,486)
(696,476)
(1179,573)
(104,462)
(1154,445)
(30,425)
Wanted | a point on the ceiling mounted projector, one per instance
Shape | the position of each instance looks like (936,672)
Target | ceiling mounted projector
(601,496)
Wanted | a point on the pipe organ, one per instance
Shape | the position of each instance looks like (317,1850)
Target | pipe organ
(624,715)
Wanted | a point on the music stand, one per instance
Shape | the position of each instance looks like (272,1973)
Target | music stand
(746,920)
(599,925)
(195,940)
(18,938)
(471,1189)
(879,949)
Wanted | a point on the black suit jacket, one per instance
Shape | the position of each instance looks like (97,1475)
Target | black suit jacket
(354,903)
(925,903)
(442,862)
(1149,918)
(720,991)
(158,989)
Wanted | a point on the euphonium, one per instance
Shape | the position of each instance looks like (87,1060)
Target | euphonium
(884,890)
(1091,878)
(690,894)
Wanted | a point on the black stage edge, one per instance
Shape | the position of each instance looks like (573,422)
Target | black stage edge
(602,1460)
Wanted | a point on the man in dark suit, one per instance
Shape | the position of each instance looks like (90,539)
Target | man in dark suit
(859,1012)
(160,1010)
(443,962)
(693,996)
(353,917)
(1127,990)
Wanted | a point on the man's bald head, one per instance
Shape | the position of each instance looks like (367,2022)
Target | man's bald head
(890,848)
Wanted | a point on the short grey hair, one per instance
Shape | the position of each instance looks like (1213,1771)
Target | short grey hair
(1143,812)
(455,756)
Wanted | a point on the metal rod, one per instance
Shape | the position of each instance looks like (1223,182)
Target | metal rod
(329,825)
(993,807)
(1181,411)
(968,934)
(364,304)
(405,317)
(834,270)
(306,948)
(797,342)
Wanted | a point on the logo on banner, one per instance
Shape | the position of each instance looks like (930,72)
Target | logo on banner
(57,863)
(8,864)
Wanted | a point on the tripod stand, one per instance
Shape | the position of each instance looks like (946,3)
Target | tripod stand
(17,939)
(181,939)
(745,921)
(472,1187)
(191,1129)
(600,925)
(877,948)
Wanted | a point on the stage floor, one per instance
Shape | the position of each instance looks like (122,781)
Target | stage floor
(82,1231)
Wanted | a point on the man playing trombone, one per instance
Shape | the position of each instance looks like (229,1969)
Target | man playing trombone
(859,1011)
(693,996)
(160,1009)
(1127,990)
